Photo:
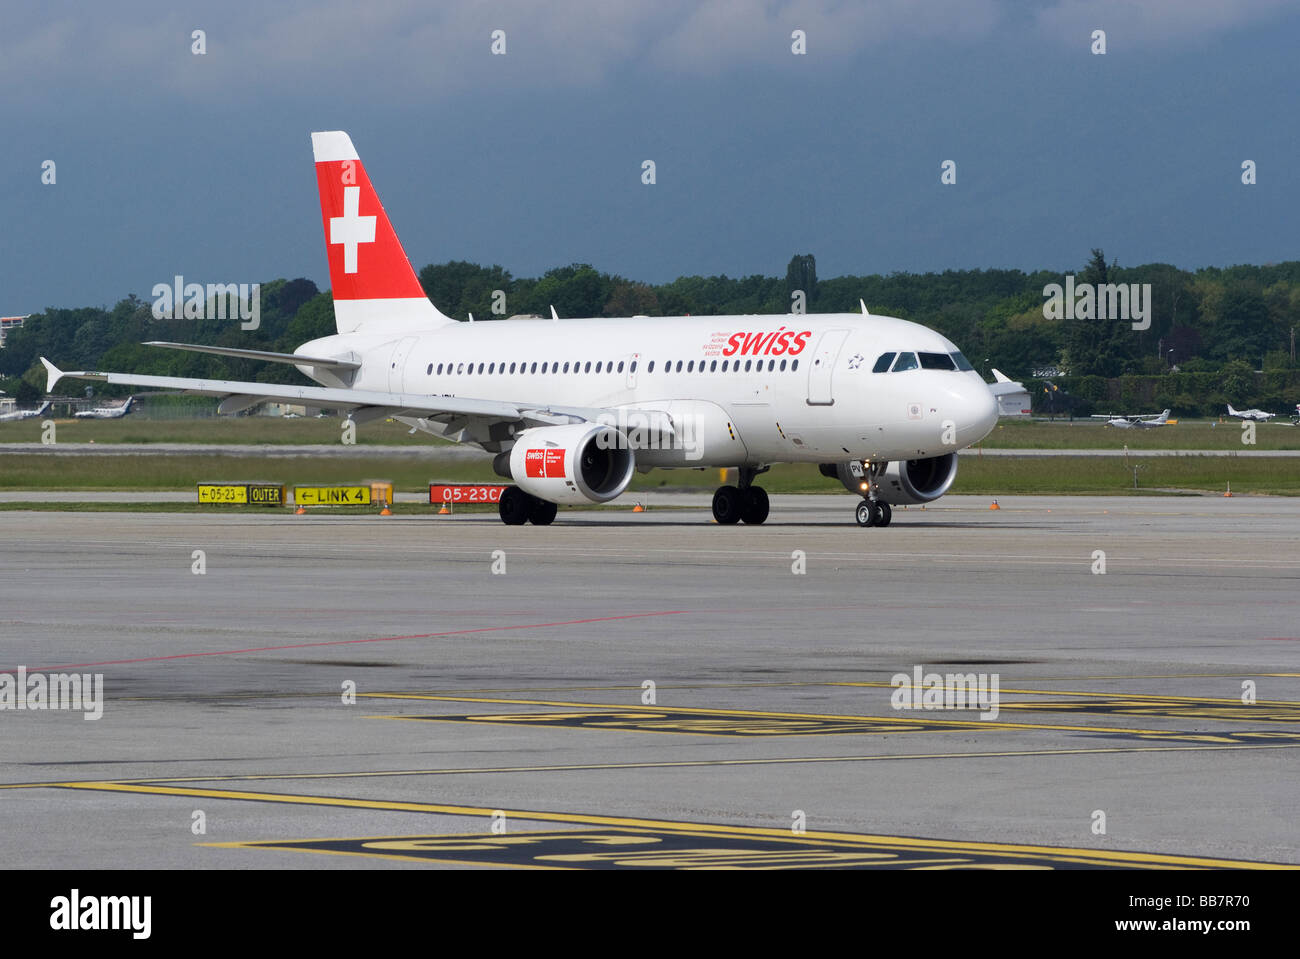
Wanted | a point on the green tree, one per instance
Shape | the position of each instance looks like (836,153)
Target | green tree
(801,274)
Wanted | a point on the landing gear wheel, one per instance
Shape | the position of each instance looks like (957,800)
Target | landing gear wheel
(886,514)
(728,503)
(515,506)
(542,513)
(868,513)
(755,505)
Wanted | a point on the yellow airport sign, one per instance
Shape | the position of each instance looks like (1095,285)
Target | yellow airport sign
(332,495)
(242,494)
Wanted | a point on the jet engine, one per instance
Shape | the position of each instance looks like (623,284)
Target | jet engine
(575,464)
(903,483)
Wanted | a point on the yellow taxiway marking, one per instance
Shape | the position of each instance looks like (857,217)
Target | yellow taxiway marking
(1145,859)
(666,764)
(1148,697)
(755,714)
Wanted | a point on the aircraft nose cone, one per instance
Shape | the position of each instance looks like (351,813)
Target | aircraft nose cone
(981,408)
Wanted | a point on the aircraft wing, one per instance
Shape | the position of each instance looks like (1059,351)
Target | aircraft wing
(485,422)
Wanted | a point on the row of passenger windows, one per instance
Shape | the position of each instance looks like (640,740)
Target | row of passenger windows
(897,362)
(691,366)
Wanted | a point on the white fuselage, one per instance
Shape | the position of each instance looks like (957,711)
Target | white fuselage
(750,390)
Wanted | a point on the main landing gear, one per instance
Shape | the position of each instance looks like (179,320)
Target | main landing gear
(872,511)
(517,508)
(747,503)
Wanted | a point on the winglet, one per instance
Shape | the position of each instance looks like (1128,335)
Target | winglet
(1001,377)
(53,374)
(863,304)
(555,317)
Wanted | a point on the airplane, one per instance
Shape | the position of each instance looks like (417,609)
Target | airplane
(1259,416)
(106,412)
(24,414)
(1013,398)
(1142,422)
(572,408)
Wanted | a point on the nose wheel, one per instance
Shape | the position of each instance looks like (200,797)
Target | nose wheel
(874,514)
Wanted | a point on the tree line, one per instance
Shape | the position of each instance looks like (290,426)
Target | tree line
(1209,329)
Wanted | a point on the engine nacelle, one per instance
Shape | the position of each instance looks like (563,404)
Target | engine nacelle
(576,464)
(906,483)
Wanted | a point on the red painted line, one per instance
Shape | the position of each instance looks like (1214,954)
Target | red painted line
(345,642)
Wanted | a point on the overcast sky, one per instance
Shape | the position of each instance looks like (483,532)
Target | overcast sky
(167,162)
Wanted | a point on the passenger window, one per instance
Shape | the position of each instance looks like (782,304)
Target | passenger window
(783,366)
(905,361)
(632,369)
(794,365)
(882,364)
(651,367)
(690,367)
(620,366)
(713,366)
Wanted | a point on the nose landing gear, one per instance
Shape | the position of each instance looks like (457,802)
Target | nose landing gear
(874,514)
(872,511)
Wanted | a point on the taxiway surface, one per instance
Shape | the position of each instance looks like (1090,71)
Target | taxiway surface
(503,714)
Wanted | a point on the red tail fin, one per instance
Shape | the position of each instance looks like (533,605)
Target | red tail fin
(375,287)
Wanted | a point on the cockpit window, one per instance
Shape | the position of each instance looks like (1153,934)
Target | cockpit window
(963,364)
(882,364)
(905,361)
(936,361)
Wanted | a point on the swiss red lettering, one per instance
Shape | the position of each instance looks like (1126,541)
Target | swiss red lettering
(767,344)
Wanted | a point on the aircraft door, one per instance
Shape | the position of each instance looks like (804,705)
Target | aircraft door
(397,364)
(822,366)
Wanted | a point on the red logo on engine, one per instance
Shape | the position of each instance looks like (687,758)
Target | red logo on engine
(544,464)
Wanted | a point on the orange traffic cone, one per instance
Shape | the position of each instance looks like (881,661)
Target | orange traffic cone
(995,505)
(299,511)
(1229,493)
(444,511)
(638,508)
(385,512)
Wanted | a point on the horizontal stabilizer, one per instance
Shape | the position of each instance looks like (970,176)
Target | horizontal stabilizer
(295,359)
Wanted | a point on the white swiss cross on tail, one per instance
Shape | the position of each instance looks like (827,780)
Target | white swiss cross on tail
(375,290)
(351,228)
